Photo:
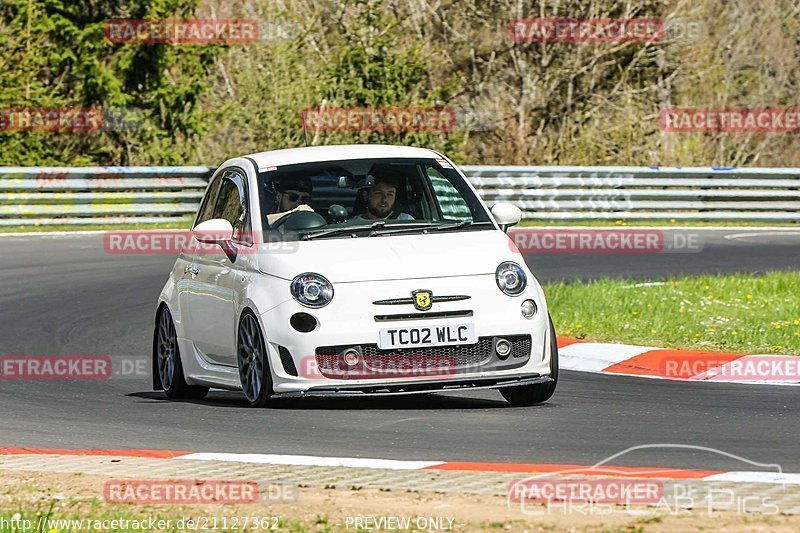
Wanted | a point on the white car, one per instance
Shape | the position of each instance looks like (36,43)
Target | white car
(356,294)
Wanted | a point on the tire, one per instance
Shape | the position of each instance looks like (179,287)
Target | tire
(527,395)
(167,366)
(253,361)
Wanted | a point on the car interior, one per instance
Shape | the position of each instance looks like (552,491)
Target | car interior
(424,192)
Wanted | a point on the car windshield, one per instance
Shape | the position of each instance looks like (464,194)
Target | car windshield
(368,197)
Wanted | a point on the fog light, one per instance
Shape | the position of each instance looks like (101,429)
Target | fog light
(351,357)
(528,309)
(503,348)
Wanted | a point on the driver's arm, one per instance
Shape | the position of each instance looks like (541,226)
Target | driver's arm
(275,216)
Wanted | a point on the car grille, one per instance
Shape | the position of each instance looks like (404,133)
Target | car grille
(422,316)
(431,361)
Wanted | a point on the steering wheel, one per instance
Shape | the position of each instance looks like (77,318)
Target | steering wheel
(299,220)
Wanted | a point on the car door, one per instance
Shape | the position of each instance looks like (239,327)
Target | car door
(211,302)
(187,265)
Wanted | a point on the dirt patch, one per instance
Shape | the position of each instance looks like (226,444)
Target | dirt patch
(319,509)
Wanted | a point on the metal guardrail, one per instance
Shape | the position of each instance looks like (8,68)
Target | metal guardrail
(124,195)
(620,193)
(100,195)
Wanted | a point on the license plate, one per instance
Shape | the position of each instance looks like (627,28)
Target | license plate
(414,337)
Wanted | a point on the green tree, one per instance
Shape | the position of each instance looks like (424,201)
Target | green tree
(56,55)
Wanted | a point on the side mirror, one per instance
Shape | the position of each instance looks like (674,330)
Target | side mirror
(506,215)
(214,231)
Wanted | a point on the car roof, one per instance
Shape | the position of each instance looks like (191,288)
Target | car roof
(310,154)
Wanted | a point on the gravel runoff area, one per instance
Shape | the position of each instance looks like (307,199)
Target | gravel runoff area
(352,499)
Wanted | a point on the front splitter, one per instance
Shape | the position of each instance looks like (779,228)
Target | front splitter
(415,387)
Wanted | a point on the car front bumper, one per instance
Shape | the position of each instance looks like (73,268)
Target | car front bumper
(415,387)
(351,320)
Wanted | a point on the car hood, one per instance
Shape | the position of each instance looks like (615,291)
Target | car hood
(342,260)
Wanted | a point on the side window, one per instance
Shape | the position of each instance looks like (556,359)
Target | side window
(207,207)
(453,205)
(231,206)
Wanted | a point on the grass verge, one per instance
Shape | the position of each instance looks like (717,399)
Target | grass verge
(95,227)
(739,313)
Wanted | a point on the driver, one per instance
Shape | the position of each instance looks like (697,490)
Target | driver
(380,200)
(291,194)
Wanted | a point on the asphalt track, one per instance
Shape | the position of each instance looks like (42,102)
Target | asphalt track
(66,296)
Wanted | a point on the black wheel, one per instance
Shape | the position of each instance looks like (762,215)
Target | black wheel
(254,372)
(527,395)
(167,360)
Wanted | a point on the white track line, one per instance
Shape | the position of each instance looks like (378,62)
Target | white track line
(311,460)
(756,477)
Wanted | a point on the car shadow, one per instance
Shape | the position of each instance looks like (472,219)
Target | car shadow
(440,400)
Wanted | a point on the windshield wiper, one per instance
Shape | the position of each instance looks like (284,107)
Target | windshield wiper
(405,228)
(460,225)
(343,229)
(426,227)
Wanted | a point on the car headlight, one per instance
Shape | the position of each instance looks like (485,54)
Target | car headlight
(312,290)
(511,278)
